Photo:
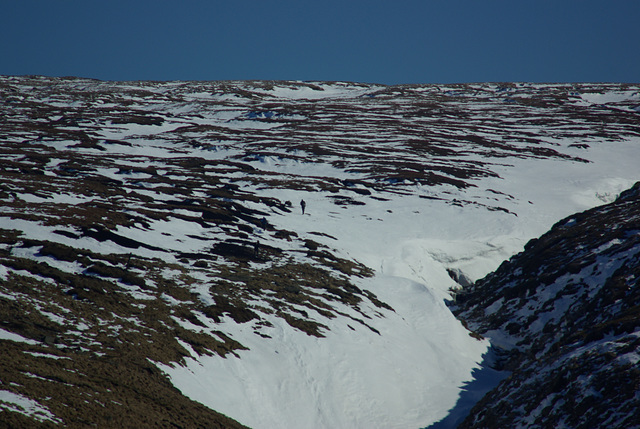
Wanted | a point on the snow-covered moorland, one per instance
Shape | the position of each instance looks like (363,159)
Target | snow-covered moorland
(152,232)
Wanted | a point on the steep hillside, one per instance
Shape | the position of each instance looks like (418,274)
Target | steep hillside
(156,263)
(566,315)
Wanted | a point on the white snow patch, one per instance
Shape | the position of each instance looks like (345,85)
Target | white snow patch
(45,355)
(319,91)
(21,404)
(7,335)
(610,97)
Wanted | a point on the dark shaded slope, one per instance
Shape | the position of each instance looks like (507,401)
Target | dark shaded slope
(566,312)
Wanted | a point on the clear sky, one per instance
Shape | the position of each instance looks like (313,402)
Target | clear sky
(390,42)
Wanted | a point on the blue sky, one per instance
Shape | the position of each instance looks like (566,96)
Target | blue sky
(427,41)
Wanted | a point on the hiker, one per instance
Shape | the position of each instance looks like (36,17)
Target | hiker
(263,223)
(303,205)
(256,249)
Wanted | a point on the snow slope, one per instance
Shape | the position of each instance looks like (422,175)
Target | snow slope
(428,187)
(411,374)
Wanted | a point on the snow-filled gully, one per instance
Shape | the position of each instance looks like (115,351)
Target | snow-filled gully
(413,372)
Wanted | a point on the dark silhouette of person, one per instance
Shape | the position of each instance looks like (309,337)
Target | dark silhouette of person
(256,249)
(263,223)
(303,205)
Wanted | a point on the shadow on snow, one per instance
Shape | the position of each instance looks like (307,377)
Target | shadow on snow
(485,378)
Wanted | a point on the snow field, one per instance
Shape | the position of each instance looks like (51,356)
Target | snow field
(410,374)
(352,378)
